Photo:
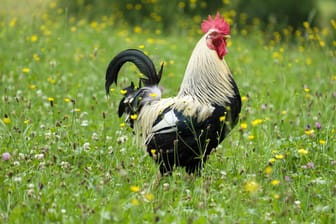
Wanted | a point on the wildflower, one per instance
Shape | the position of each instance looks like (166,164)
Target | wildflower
(250,137)
(243,125)
(268,170)
(318,125)
(322,142)
(51,101)
(244,98)
(123,91)
(271,160)
(33,38)
(6,156)
(310,165)
(251,186)
(141,46)
(67,100)
(276,196)
(135,202)
(222,118)
(279,156)
(13,22)
(134,116)
(26,70)
(36,57)
(309,132)
(122,125)
(135,188)
(256,122)
(86,146)
(287,178)
(153,151)
(137,29)
(275,182)
(26,122)
(303,151)
(149,197)
(6,120)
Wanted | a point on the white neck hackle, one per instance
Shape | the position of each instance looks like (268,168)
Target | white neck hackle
(207,77)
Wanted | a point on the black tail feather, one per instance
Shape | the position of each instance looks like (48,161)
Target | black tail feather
(143,63)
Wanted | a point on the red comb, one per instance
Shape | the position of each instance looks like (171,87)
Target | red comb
(216,23)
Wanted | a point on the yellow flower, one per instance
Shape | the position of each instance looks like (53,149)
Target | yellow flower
(32,86)
(244,98)
(13,22)
(256,122)
(67,100)
(271,160)
(268,170)
(135,202)
(26,70)
(141,46)
(279,156)
(303,151)
(122,125)
(123,91)
(322,142)
(26,122)
(149,196)
(250,137)
(243,125)
(50,99)
(33,38)
(251,186)
(135,188)
(137,29)
(36,57)
(134,116)
(309,132)
(275,182)
(153,151)
(6,120)
(222,118)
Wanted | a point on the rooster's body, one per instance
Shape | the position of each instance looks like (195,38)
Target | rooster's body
(183,130)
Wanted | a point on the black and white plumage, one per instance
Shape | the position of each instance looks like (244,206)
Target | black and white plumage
(182,130)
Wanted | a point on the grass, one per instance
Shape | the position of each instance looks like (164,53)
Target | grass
(71,160)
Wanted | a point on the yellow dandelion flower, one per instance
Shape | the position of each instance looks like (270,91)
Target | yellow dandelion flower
(135,188)
(276,196)
(36,57)
(149,197)
(67,100)
(268,170)
(32,86)
(12,22)
(141,46)
(153,151)
(122,125)
(134,116)
(6,120)
(50,99)
(77,110)
(303,151)
(26,121)
(250,137)
(123,91)
(284,112)
(309,132)
(244,98)
(279,156)
(73,29)
(243,125)
(256,122)
(275,182)
(222,118)
(308,61)
(271,160)
(137,29)
(322,142)
(135,202)
(306,24)
(33,38)
(251,186)
(26,70)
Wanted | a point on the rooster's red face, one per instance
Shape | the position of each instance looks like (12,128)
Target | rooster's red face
(216,40)
(217,32)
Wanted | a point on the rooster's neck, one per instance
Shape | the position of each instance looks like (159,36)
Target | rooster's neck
(207,78)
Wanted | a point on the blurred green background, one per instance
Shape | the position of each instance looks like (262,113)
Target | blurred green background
(175,15)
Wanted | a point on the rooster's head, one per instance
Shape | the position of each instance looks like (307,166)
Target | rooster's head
(217,31)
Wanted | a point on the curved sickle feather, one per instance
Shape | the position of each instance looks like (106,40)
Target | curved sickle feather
(143,63)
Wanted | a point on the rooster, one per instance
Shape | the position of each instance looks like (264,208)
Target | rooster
(182,130)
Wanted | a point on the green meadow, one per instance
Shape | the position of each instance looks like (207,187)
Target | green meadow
(66,156)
